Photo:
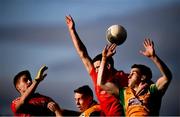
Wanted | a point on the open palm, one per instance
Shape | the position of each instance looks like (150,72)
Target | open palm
(109,50)
(41,75)
(149,48)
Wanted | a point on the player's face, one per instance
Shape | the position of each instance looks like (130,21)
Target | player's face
(82,102)
(23,84)
(134,77)
(97,65)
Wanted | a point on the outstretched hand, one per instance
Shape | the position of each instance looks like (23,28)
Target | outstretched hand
(53,106)
(109,50)
(149,48)
(41,75)
(70,22)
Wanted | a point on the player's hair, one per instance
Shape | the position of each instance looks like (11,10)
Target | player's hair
(18,75)
(144,70)
(85,90)
(99,58)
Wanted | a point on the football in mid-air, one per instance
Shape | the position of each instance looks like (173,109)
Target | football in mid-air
(116,34)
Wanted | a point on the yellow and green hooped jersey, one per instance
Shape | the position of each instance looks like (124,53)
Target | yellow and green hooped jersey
(142,105)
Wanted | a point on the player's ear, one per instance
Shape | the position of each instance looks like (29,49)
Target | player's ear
(108,65)
(143,78)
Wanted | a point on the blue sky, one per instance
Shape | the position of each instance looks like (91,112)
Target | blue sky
(34,32)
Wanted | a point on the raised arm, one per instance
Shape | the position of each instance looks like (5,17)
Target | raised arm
(163,82)
(78,44)
(40,76)
(111,88)
(108,51)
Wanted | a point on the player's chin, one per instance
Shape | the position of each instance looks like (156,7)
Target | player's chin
(81,109)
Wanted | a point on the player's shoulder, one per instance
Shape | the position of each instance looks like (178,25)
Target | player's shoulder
(121,73)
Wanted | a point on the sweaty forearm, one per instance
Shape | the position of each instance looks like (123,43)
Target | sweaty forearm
(26,94)
(101,79)
(165,71)
(30,90)
(81,50)
(163,81)
(80,47)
